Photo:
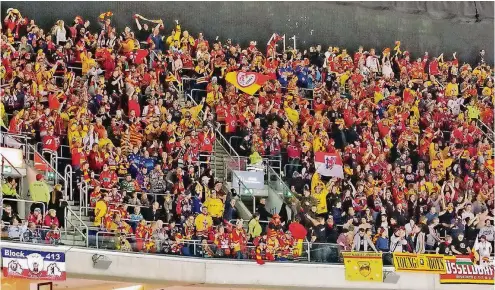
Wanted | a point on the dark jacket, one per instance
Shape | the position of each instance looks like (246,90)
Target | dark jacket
(264,214)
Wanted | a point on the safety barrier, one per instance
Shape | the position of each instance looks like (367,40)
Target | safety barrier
(80,227)
(22,215)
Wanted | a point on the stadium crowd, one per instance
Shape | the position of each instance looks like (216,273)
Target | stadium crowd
(418,163)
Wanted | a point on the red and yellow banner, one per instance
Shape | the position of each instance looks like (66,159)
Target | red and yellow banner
(461,270)
(429,263)
(363,266)
(248,82)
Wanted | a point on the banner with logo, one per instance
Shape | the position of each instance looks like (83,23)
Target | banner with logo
(248,82)
(28,264)
(251,179)
(363,266)
(428,263)
(461,270)
(329,164)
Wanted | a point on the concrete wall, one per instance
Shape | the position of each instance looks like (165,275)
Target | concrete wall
(208,271)
(440,27)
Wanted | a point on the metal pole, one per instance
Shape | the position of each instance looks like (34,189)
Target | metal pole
(284,42)
(309,252)
(254,204)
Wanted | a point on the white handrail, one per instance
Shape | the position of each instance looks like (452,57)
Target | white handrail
(81,223)
(68,176)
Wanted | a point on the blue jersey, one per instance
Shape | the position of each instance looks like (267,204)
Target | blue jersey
(149,163)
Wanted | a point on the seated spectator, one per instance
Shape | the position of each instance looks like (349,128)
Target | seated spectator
(16,230)
(8,215)
(51,219)
(53,236)
(31,234)
(36,217)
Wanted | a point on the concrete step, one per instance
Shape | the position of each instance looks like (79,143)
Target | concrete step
(73,236)
(73,243)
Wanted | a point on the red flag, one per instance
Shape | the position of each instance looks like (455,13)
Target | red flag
(53,102)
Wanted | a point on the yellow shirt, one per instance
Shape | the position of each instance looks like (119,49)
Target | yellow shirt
(215,207)
(203,222)
(104,142)
(87,63)
(473,112)
(100,212)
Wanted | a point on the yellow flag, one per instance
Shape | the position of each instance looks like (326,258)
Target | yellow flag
(292,115)
(363,266)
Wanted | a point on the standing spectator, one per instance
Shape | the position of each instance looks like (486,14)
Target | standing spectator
(398,242)
(261,209)
(318,240)
(344,241)
(362,241)
(484,250)
(445,247)
(40,193)
(58,203)
(383,242)
(254,227)
(488,231)
(460,246)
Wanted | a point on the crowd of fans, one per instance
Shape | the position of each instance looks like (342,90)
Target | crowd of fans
(418,163)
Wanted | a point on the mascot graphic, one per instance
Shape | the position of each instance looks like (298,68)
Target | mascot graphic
(14,268)
(35,264)
(53,270)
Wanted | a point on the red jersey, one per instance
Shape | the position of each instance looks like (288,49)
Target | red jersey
(230,124)
(108,178)
(206,141)
(51,143)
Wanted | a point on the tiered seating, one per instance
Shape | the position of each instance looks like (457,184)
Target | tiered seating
(415,161)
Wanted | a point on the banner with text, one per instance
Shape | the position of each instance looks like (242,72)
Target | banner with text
(33,264)
(363,266)
(429,263)
(461,270)
(251,179)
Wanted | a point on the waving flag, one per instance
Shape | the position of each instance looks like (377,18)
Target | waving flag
(329,164)
(248,82)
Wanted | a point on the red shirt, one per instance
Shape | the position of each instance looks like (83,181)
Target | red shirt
(108,178)
(230,123)
(78,155)
(50,143)
(49,220)
(134,105)
(293,151)
(206,141)
(433,67)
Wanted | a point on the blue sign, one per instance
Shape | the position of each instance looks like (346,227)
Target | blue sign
(20,263)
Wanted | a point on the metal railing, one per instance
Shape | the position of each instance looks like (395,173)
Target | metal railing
(15,140)
(76,228)
(22,215)
(52,166)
